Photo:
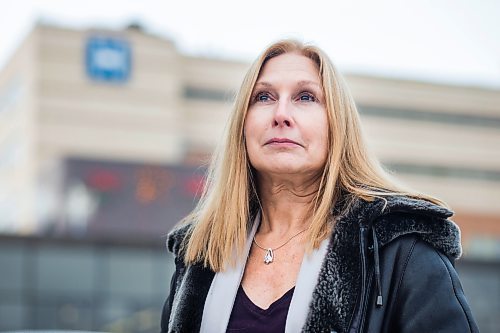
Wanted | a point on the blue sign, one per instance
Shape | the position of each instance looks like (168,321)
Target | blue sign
(108,59)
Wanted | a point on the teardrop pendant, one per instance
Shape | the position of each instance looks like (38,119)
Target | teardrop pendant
(269,257)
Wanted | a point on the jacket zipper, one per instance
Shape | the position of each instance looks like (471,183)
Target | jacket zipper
(358,318)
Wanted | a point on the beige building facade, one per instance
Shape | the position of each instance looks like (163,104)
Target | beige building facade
(169,108)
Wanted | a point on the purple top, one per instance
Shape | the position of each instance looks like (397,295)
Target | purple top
(247,317)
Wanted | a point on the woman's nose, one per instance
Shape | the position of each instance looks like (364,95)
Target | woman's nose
(282,115)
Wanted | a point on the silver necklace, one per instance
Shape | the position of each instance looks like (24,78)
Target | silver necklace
(269,256)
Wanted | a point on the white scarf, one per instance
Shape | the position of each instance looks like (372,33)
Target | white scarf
(222,293)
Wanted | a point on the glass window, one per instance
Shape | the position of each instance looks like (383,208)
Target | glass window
(12,265)
(65,271)
(63,315)
(130,273)
(13,316)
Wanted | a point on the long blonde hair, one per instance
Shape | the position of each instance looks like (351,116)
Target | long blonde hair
(219,223)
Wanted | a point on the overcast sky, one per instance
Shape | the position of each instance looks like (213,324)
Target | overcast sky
(448,41)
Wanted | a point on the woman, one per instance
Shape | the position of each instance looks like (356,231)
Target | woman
(300,229)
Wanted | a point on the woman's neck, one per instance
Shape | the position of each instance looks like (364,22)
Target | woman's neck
(286,206)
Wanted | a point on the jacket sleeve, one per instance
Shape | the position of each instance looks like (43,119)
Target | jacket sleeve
(167,307)
(429,295)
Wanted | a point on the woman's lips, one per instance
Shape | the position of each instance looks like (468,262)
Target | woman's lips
(282,142)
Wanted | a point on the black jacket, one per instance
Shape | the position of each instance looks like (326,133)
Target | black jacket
(388,268)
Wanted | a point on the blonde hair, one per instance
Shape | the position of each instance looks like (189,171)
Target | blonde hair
(219,223)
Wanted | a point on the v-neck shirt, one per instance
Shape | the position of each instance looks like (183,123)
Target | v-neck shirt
(247,317)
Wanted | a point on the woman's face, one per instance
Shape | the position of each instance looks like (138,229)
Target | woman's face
(286,127)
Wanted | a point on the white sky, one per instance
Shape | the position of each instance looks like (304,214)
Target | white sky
(449,41)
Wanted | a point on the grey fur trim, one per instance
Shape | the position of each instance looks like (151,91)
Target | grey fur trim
(191,291)
(336,293)
(403,216)
(442,234)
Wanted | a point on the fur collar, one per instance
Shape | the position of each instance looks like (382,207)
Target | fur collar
(403,215)
(335,296)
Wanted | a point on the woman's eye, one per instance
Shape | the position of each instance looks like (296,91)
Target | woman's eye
(262,97)
(307,97)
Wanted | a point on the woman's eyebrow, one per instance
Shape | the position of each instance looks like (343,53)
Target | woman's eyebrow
(263,83)
(307,83)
